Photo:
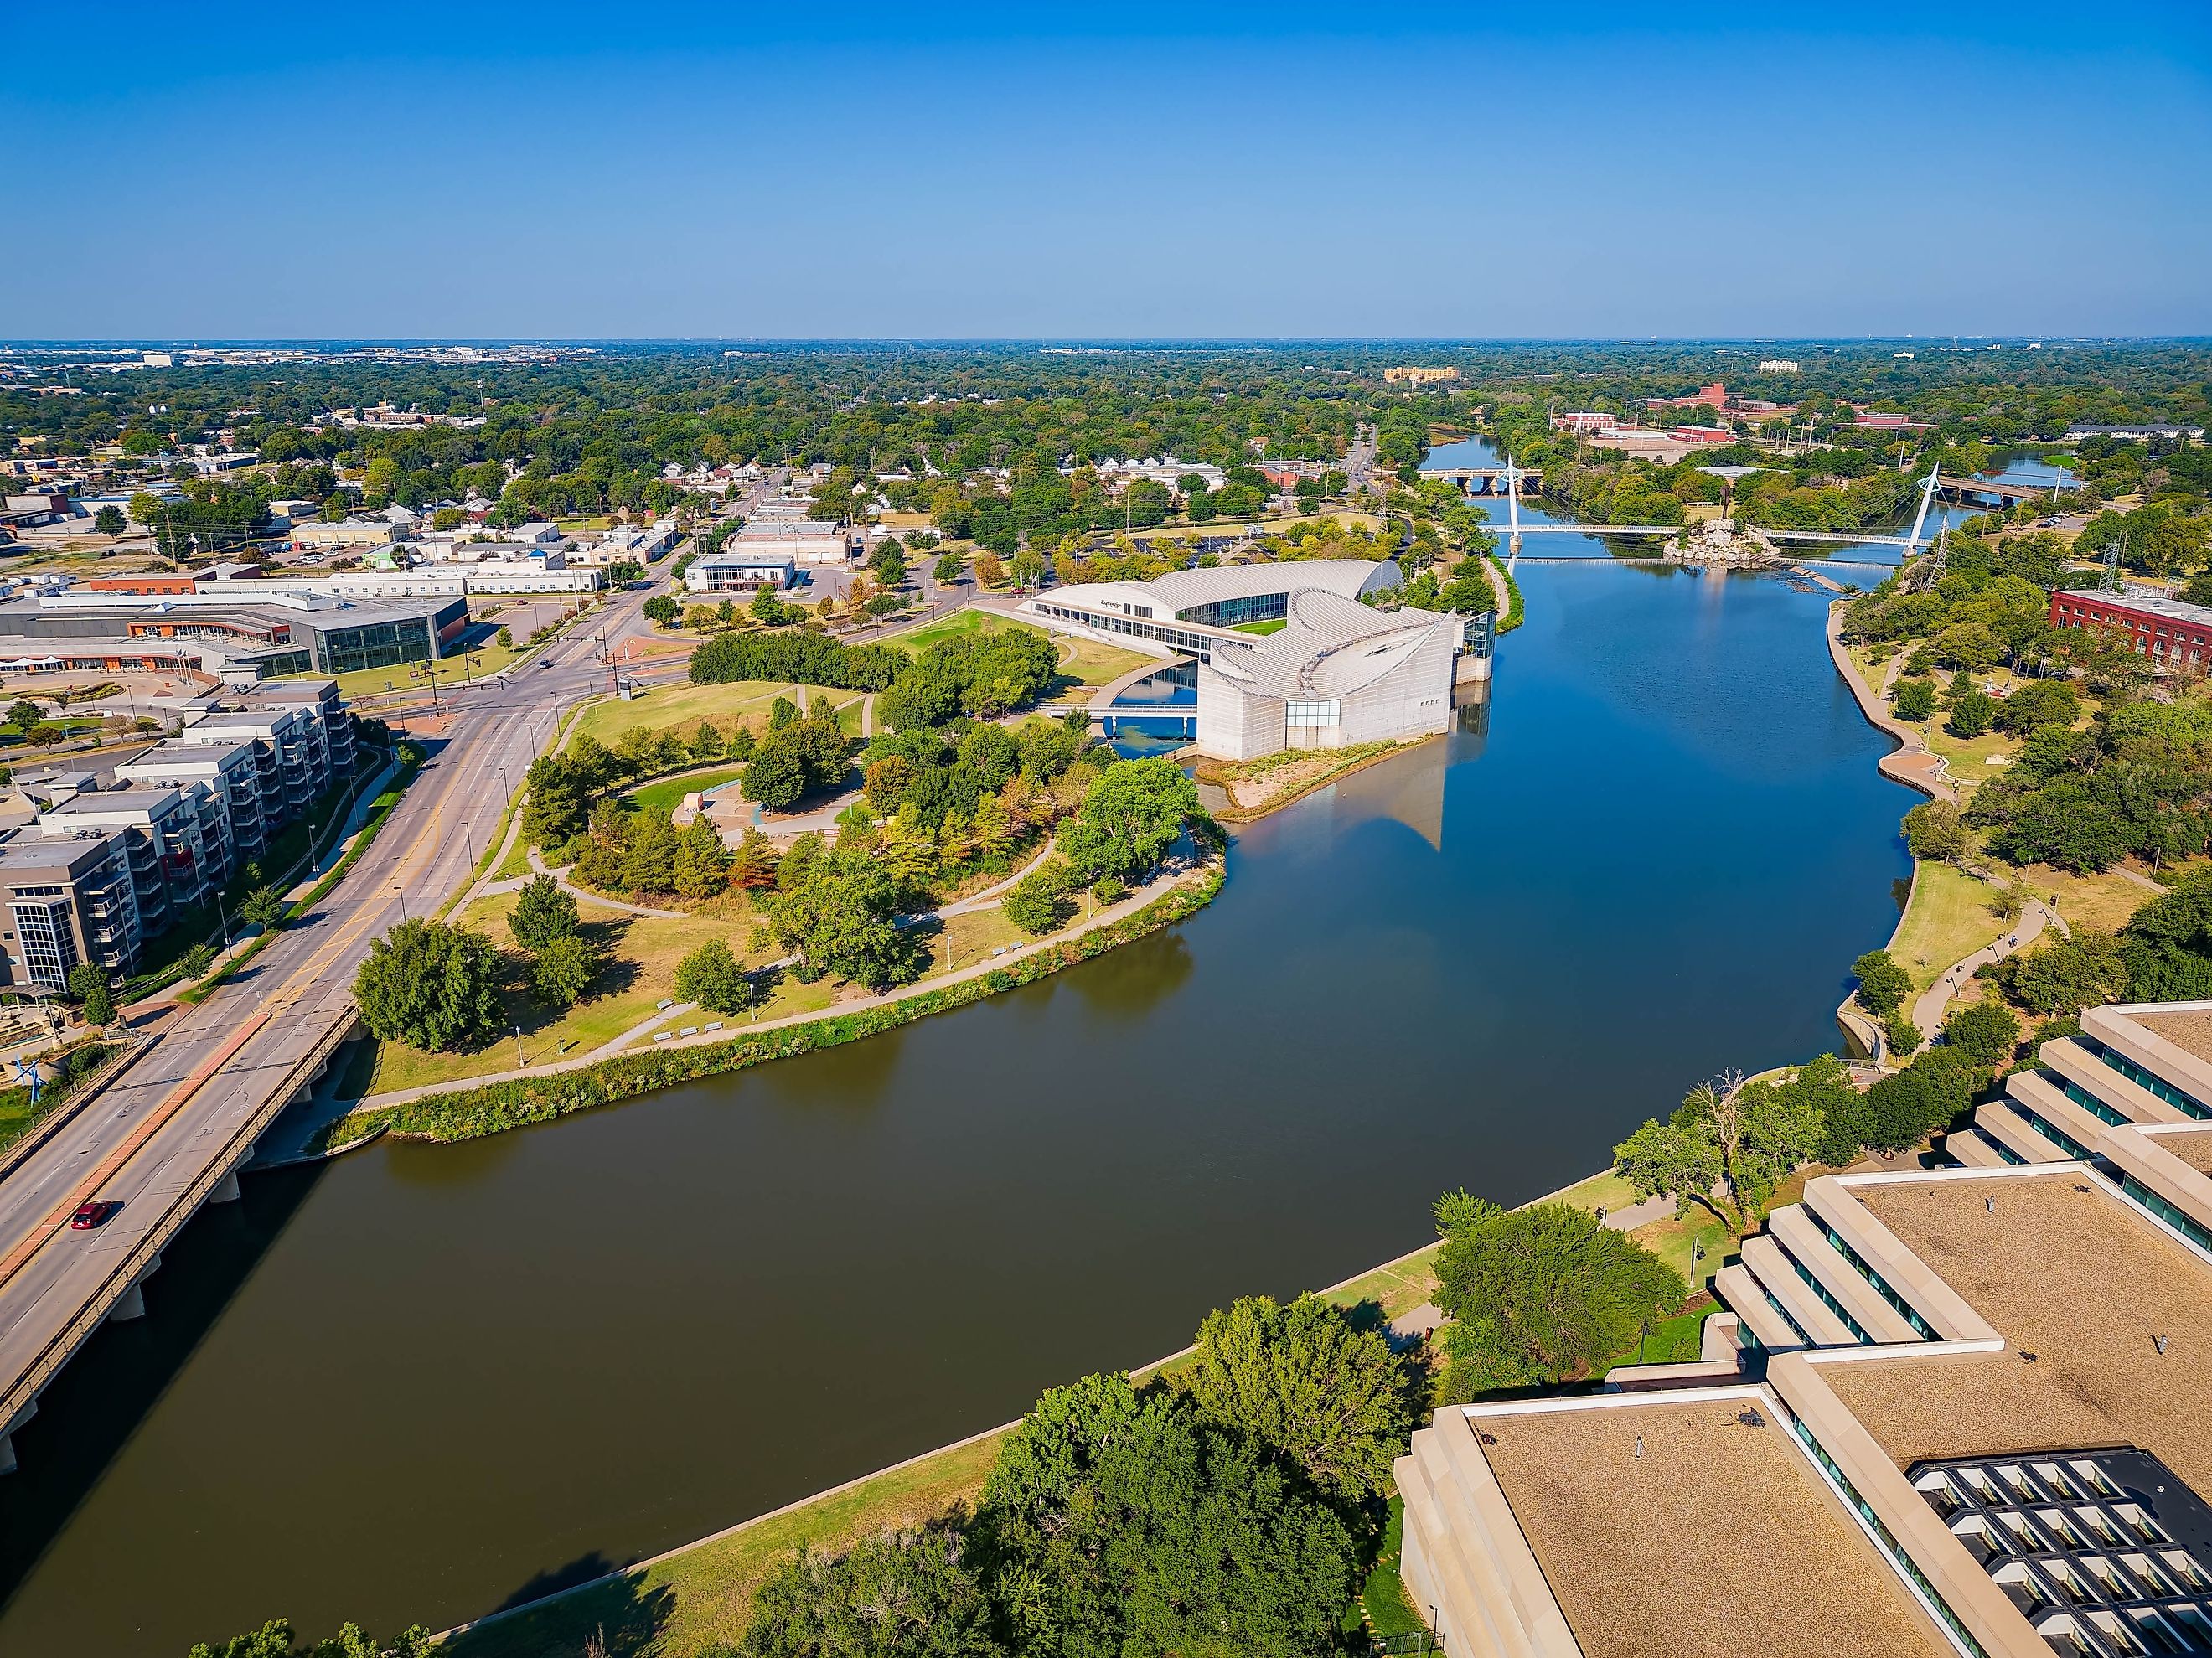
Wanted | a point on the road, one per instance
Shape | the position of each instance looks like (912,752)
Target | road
(164,1129)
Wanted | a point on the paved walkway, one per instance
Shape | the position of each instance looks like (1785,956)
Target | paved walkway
(1156,888)
(1927,1011)
(561,879)
(1913,764)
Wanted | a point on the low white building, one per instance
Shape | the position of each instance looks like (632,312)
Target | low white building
(1260,658)
(738,569)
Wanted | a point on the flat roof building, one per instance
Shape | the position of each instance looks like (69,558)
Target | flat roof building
(64,900)
(1273,656)
(1959,1410)
(2171,632)
(266,631)
(740,567)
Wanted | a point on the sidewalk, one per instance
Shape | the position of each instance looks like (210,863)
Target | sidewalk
(1927,1011)
(1913,764)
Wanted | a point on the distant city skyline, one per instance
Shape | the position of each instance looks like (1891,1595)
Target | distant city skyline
(970,172)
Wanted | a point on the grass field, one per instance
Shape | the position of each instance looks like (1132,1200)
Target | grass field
(1947,920)
(1083,661)
(1261,627)
(2100,903)
(665,707)
(668,794)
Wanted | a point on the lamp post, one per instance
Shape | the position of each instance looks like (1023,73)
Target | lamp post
(402,891)
(519,1062)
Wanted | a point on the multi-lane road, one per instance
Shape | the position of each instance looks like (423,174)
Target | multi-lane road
(170,1132)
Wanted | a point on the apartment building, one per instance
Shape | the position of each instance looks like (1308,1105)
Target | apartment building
(229,772)
(176,839)
(64,899)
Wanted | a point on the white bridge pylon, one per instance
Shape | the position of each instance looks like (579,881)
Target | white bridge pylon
(1513,512)
(1912,541)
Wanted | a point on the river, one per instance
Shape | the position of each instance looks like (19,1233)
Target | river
(419,1382)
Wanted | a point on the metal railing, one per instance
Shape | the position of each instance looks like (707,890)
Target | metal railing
(135,1261)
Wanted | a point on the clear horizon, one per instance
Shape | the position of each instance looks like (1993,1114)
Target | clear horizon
(1186,174)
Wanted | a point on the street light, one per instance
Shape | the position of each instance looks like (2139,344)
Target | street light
(519,1062)
(402,891)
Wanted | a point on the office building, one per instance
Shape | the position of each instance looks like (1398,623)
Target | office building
(224,635)
(1950,1411)
(2171,632)
(1267,657)
(740,568)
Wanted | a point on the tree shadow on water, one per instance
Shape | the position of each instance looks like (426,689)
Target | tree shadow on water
(559,1611)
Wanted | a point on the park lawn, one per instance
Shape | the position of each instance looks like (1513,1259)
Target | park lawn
(486,659)
(2097,904)
(973,934)
(959,624)
(1090,664)
(1947,921)
(1261,627)
(1396,1288)
(680,707)
(16,1114)
(1670,1240)
(698,1601)
(642,952)
(1970,757)
(668,794)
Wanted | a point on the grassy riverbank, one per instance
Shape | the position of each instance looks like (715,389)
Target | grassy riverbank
(696,1600)
(491,1108)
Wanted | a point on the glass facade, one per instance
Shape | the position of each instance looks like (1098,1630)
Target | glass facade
(2188,1104)
(2183,1222)
(1199,644)
(1235,612)
(1311,716)
(1879,1285)
(1886,1541)
(379,645)
(45,942)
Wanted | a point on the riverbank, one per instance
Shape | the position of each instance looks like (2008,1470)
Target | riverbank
(696,1599)
(518,1099)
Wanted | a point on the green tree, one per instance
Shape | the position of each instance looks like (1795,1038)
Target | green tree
(889,562)
(1971,714)
(2065,976)
(947,569)
(1130,817)
(841,918)
(1116,1521)
(908,1595)
(1328,1397)
(664,608)
(1883,985)
(431,986)
(1934,830)
(275,1639)
(1913,699)
(1739,1139)
(1903,1036)
(88,982)
(562,970)
(108,520)
(198,960)
(714,978)
(2040,702)
(23,713)
(543,911)
(1988,1033)
(1038,902)
(1540,1294)
(263,908)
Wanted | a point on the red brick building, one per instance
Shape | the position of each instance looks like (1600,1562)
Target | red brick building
(2170,633)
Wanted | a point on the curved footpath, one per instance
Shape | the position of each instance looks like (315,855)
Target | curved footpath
(1910,764)
(1157,887)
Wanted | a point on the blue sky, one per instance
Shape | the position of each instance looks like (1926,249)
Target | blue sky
(655,170)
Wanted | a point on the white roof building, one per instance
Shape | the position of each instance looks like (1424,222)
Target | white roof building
(1265,657)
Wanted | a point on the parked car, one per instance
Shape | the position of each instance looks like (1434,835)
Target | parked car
(92,1214)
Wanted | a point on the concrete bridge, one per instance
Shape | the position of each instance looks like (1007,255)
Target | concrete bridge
(1484,480)
(1971,491)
